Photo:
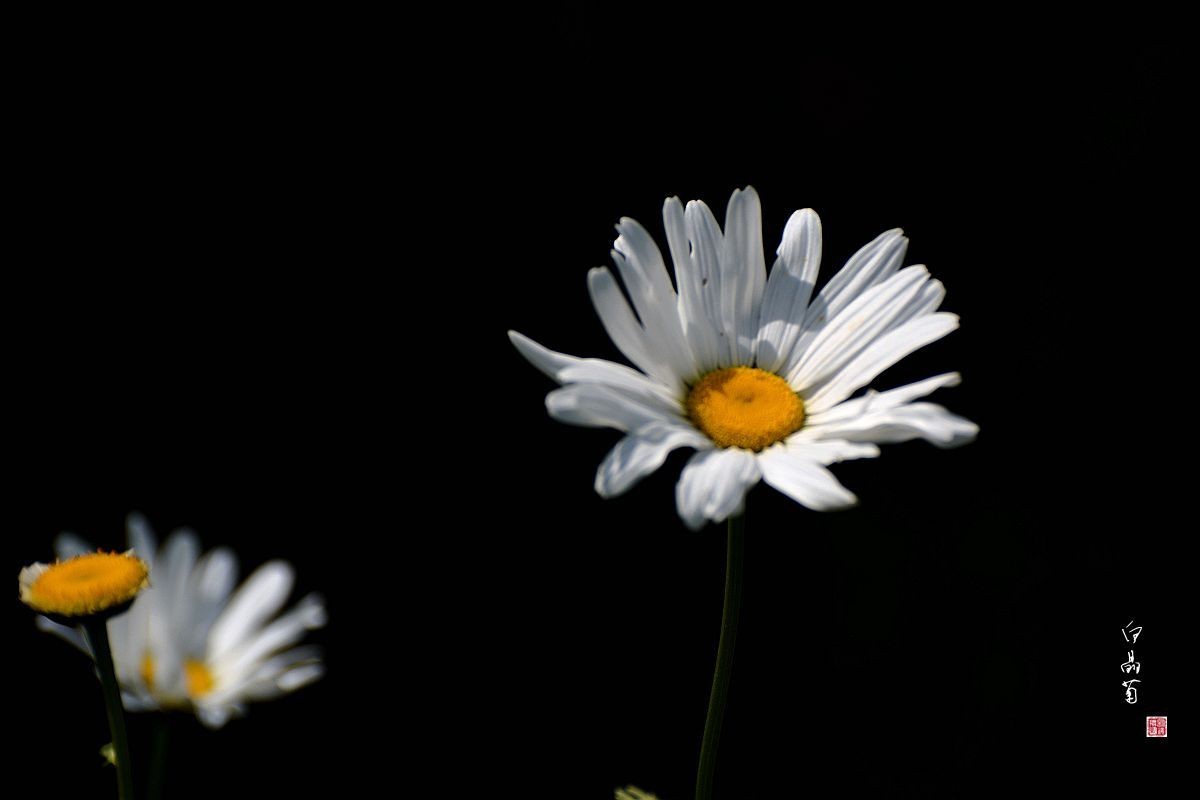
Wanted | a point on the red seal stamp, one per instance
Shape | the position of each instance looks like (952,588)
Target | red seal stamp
(1156,726)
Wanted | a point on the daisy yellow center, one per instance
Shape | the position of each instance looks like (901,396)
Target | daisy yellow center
(147,670)
(197,678)
(745,407)
(87,584)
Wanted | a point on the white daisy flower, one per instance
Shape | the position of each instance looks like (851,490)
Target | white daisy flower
(191,641)
(751,370)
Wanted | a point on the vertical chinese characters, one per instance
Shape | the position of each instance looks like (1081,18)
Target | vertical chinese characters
(1131,666)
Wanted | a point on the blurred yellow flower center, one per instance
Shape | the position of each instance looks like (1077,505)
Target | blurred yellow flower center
(197,678)
(745,407)
(147,670)
(87,584)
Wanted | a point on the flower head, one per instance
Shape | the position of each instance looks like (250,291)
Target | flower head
(86,584)
(193,641)
(751,370)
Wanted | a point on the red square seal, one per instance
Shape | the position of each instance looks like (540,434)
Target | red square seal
(1156,726)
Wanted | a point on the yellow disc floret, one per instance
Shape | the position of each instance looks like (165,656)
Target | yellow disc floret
(147,669)
(745,407)
(197,678)
(84,585)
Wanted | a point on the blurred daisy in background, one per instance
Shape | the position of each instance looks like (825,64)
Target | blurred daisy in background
(191,640)
(751,370)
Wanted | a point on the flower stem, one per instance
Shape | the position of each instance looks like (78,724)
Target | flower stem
(97,632)
(734,549)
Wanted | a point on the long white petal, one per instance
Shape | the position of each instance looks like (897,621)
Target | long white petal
(141,539)
(828,451)
(570,369)
(179,555)
(789,288)
(255,601)
(873,401)
(624,329)
(211,583)
(640,263)
(278,675)
(927,421)
(871,265)
(129,635)
(73,636)
(743,274)
(692,282)
(167,613)
(869,316)
(713,485)
(641,453)
(549,362)
(803,479)
(234,665)
(708,246)
(596,406)
(881,354)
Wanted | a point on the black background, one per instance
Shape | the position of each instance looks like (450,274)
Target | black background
(260,279)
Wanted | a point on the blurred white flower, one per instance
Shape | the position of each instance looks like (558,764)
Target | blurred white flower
(192,641)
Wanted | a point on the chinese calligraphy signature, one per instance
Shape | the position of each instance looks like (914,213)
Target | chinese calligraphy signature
(1131,665)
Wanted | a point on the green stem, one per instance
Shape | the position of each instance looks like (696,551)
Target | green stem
(734,550)
(97,631)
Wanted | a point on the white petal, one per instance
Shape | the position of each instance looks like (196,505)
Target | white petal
(283,673)
(624,329)
(73,636)
(68,545)
(641,266)
(141,539)
(171,616)
(211,583)
(545,359)
(708,246)
(28,576)
(692,281)
(138,701)
(569,369)
(865,319)
(881,354)
(871,265)
(828,451)
(234,665)
(789,289)
(743,274)
(803,479)
(927,421)
(159,626)
(596,406)
(215,716)
(625,381)
(875,401)
(129,635)
(640,453)
(255,601)
(293,679)
(713,485)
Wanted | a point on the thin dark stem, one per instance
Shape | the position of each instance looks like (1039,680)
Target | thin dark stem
(97,631)
(158,758)
(734,550)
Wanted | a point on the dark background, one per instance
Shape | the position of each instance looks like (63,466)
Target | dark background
(260,278)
